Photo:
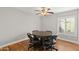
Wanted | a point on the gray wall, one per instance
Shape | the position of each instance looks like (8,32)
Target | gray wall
(14,24)
(51,23)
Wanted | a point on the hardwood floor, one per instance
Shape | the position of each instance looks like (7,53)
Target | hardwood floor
(60,45)
(67,46)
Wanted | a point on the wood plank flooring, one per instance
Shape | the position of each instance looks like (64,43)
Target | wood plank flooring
(23,46)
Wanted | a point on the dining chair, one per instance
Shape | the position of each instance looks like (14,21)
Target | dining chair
(49,42)
(34,41)
(53,39)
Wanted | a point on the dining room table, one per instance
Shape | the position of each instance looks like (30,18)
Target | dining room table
(42,35)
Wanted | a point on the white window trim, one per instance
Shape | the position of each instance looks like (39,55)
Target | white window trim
(70,33)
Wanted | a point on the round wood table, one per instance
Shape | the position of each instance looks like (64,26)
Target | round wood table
(42,35)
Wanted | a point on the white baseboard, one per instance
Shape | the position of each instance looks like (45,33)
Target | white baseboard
(13,42)
(28,38)
(76,42)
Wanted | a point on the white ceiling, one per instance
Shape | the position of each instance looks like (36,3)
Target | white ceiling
(54,9)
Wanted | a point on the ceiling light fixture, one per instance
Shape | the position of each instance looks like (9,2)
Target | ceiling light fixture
(44,11)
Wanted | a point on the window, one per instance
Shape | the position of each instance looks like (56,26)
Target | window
(67,25)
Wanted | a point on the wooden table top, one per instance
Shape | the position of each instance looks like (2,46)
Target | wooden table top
(42,33)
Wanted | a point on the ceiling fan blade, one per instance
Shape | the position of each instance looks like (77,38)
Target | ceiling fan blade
(51,12)
(37,10)
(49,9)
(37,13)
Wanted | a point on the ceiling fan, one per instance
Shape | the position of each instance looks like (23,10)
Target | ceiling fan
(44,11)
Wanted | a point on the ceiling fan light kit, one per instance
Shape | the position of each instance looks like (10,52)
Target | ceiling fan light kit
(44,11)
